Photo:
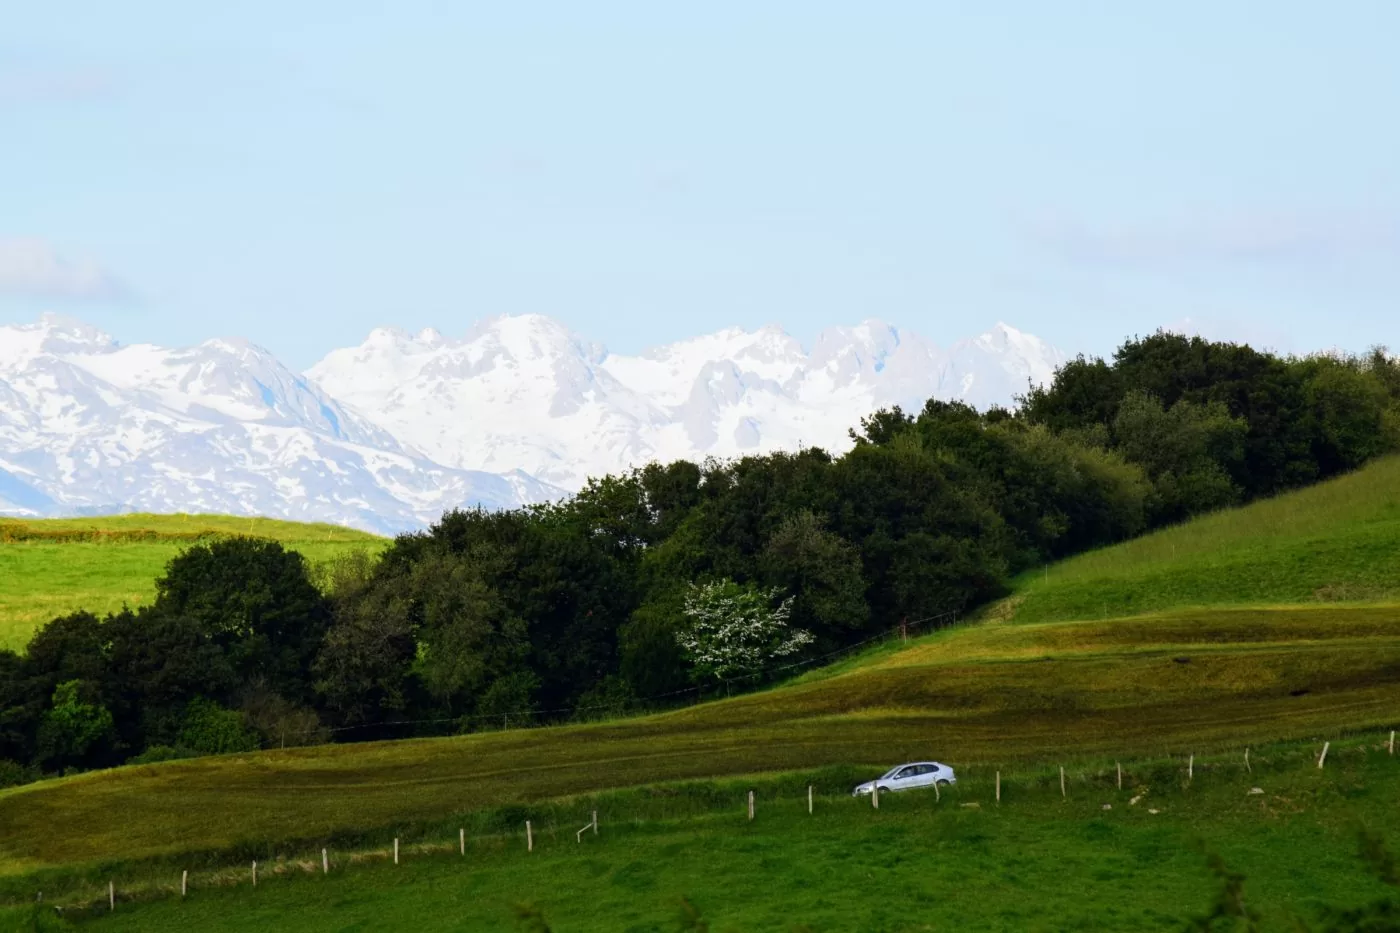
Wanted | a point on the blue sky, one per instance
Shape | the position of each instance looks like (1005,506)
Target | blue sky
(298,173)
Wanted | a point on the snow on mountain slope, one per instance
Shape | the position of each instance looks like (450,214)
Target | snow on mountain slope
(525,393)
(387,435)
(88,426)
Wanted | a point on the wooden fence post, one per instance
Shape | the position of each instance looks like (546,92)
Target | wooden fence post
(462,840)
(255,874)
(184,882)
(1190,767)
(1063,792)
(595,822)
(937,795)
(809,798)
(1119,765)
(529,837)
(111,895)
(750,804)
(875,796)
(1392,741)
(1247,768)
(998,787)
(1323,757)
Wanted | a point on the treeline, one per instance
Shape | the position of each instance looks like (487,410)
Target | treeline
(650,582)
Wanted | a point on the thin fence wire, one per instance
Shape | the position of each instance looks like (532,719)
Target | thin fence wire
(532,717)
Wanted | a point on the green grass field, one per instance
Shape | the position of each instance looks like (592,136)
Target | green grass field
(1095,860)
(1260,625)
(56,566)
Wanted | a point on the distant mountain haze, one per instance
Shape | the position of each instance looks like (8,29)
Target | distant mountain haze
(387,435)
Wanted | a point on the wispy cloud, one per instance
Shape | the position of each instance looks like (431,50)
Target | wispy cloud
(33,268)
(40,87)
(1253,238)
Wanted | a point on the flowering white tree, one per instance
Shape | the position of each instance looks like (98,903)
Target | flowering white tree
(732,630)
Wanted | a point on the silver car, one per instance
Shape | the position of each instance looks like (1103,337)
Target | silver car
(909,776)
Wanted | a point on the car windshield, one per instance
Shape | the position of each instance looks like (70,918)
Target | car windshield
(892,772)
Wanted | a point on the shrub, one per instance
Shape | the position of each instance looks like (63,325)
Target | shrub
(212,730)
(162,753)
(13,774)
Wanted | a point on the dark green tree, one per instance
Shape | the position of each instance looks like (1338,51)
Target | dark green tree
(823,574)
(255,601)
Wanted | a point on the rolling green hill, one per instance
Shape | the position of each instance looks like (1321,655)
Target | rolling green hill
(1212,666)
(1334,542)
(55,566)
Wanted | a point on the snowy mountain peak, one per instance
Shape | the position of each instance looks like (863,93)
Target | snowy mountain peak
(88,426)
(387,434)
(53,333)
(70,330)
(524,392)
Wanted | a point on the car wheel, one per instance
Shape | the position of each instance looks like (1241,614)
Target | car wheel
(941,782)
(882,789)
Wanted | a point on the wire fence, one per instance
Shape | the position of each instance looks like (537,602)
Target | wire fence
(1101,787)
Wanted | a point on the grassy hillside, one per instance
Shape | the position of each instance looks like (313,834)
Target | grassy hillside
(55,566)
(990,695)
(1334,542)
(1215,669)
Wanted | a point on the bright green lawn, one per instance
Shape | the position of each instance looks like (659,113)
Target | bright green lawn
(1034,862)
(46,576)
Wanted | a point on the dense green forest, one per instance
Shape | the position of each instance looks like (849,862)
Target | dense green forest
(682,578)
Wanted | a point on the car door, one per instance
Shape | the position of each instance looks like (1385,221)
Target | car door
(924,776)
(904,778)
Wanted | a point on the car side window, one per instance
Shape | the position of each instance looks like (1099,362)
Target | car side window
(906,772)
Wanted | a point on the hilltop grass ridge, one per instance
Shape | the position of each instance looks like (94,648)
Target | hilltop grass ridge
(179,526)
(56,566)
(1199,674)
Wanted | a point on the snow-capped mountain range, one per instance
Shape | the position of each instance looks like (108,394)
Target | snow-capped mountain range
(387,435)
